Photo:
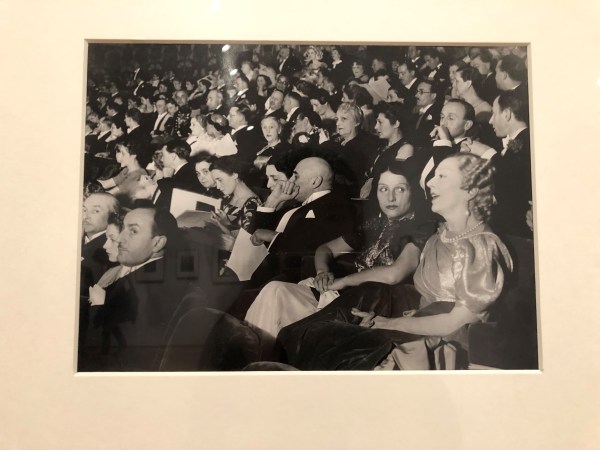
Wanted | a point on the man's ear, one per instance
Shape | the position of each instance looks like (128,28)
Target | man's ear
(468,124)
(317,181)
(158,243)
(507,114)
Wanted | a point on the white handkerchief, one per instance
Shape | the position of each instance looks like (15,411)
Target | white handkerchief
(310,215)
(325,298)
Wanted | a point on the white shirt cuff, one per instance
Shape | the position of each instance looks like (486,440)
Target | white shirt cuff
(442,143)
(265,209)
(488,154)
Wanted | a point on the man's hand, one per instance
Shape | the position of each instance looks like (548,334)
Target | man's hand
(282,192)
(261,236)
(440,133)
(475,147)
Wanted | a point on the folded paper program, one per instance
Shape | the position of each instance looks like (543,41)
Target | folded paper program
(245,256)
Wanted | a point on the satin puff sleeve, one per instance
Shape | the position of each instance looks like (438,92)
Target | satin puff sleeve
(478,266)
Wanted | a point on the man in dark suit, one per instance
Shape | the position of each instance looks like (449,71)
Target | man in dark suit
(214,102)
(178,172)
(183,116)
(98,144)
(142,306)
(291,106)
(245,95)
(275,105)
(429,112)
(456,123)
(248,139)
(511,75)
(513,180)
(163,122)
(94,260)
(439,69)
(135,133)
(322,216)
(408,90)
(483,62)
(288,64)
(413,53)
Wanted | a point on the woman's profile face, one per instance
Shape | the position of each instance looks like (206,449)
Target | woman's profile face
(112,242)
(203,174)
(447,194)
(384,127)
(270,130)
(225,183)
(274,176)
(122,155)
(196,127)
(317,107)
(335,54)
(393,194)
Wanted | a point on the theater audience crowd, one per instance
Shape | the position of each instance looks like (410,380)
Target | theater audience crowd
(381,184)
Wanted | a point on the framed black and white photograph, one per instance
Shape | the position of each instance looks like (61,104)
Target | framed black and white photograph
(362,225)
(351,207)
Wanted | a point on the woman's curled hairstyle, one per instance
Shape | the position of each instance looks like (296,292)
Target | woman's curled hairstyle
(231,165)
(478,175)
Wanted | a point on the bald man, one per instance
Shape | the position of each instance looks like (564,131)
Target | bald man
(323,216)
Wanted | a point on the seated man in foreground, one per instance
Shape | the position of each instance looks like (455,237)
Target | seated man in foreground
(321,217)
(142,302)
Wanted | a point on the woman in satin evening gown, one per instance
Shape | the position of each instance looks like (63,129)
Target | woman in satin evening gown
(460,275)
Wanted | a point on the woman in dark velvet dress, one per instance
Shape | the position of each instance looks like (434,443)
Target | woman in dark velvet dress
(460,275)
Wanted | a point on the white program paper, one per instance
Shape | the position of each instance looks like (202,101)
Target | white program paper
(245,256)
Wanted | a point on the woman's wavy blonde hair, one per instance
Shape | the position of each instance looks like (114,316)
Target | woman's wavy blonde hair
(478,175)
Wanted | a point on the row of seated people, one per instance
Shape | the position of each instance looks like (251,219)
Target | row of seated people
(135,313)
(312,178)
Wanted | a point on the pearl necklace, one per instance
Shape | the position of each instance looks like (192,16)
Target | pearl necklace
(461,235)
